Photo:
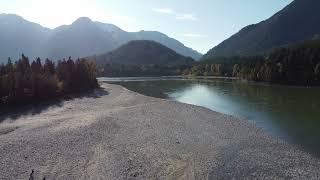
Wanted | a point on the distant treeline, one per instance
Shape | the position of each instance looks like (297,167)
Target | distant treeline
(121,70)
(296,65)
(22,82)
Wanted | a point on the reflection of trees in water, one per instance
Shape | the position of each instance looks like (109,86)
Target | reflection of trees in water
(295,110)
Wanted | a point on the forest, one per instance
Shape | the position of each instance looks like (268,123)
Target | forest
(126,70)
(295,65)
(23,82)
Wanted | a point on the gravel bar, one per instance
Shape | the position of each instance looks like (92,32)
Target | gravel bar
(115,133)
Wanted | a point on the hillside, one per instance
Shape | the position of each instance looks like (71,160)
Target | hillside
(297,22)
(143,52)
(83,37)
(297,64)
(142,58)
(20,36)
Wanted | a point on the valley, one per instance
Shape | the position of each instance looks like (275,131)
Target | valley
(82,98)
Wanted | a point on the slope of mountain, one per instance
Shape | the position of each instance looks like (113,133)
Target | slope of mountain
(142,52)
(91,38)
(82,38)
(20,36)
(297,22)
(167,41)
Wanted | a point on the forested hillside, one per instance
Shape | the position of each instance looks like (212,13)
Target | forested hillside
(299,65)
(297,22)
(142,58)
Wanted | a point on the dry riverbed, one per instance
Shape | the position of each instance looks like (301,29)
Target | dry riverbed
(118,134)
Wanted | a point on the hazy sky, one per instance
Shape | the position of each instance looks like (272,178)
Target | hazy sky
(200,24)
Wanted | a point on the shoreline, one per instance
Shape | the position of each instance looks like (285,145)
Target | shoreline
(181,77)
(116,133)
(190,77)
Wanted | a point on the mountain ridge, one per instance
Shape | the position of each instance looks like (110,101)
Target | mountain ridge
(82,38)
(295,23)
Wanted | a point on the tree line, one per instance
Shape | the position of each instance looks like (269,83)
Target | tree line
(131,70)
(296,65)
(24,82)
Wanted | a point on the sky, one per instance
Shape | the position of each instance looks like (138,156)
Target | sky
(199,24)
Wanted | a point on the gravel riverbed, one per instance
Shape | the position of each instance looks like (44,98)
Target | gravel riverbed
(115,133)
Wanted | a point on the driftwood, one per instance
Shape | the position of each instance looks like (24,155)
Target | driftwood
(31,176)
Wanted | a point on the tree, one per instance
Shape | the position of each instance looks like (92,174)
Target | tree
(317,71)
(49,67)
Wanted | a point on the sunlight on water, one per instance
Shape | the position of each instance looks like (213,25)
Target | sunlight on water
(218,100)
(202,96)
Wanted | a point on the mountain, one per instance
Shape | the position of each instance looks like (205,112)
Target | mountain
(20,36)
(297,22)
(83,37)
(142,52)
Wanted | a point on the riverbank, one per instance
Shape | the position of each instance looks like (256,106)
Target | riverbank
(115,133)
(110,79)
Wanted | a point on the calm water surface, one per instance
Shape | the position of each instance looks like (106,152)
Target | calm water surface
(292,113)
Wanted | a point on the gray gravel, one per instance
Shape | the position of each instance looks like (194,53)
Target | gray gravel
(125,135)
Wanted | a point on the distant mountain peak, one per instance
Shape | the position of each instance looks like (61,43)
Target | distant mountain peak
(11,17)
(83,20)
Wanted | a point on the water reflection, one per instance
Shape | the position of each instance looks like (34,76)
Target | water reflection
(289,112)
